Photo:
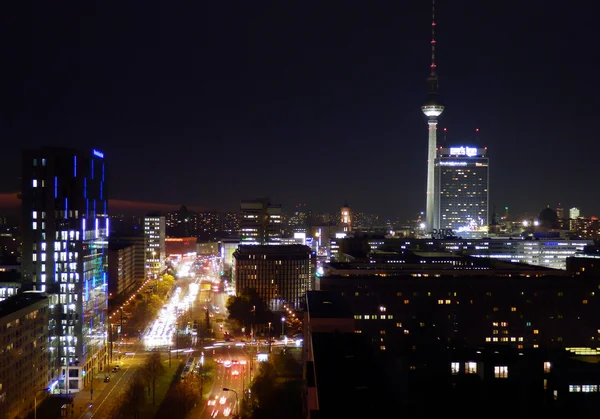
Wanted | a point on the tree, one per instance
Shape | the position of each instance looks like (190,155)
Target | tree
(248,308)
(152,369)
(184,397)
(128,404)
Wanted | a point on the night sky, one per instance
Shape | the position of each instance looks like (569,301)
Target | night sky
(212,102)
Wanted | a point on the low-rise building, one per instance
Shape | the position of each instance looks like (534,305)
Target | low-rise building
(24,371)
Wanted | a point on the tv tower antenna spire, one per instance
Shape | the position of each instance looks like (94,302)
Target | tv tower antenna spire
(433,38)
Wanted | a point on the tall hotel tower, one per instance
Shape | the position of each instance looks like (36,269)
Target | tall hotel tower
(432,109)
(65,240)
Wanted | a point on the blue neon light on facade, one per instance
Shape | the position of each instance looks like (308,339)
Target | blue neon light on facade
(87,207)
(101,189)
(66,208)
(92,168)
(55,187)
(102,172)
(85,187)
(74,166)
(98,153)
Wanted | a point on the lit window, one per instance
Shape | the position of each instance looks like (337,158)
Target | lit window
(504,324)
(585,301)
(406,332)
(398,324)
(382,347)
(470,367)
(574,388)
(547,367)
(536,332)
(382,309)
(406,301)
(455,367)
(440,301)
(501,371)
(513,309)
(35,183)
(448,302)
(488,339)
(382,332)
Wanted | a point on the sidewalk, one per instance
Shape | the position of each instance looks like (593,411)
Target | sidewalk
(83,398)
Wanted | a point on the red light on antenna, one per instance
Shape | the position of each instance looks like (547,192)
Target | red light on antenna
(476,129)
(445,129)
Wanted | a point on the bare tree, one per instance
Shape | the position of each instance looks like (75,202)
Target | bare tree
(152,369)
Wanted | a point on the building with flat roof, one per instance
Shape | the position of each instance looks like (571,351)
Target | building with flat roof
(123,271)
(338,364)
(65,247)
(24,359)
(154,233)
(279,274)
(462,189)
(261,222)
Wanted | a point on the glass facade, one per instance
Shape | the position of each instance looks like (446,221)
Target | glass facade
(65,255)
(462,183)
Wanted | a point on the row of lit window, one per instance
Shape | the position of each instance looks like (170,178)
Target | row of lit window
(583,388)
(373,316)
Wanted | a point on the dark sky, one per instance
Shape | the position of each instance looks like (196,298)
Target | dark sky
(306,102)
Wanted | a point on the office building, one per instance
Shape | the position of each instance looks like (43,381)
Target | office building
(65,241)
(261,222)
(124,273)
(574,213)
(24,353)
(279,274)
(462,189)
(8,289)
(154,232)
(423,298)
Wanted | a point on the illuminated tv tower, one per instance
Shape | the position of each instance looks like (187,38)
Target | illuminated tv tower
(432,109)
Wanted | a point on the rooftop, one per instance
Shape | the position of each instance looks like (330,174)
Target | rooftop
(327,305)
(20,301)
(286,249)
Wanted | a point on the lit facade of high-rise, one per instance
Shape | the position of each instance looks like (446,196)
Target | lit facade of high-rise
(261,222)
(65,241)
(154,233)
(462,189)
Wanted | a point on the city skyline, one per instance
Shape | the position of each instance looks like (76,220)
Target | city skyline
(245,119)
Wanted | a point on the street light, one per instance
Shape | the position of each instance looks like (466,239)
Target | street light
(269,337)
(237,407)
(282,325)
(35,393)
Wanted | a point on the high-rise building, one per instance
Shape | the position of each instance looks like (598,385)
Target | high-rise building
(432,110)
(65,240)
(261,222)
(346,218)
(154,232)
(462,189)
(279,274)
(574,213)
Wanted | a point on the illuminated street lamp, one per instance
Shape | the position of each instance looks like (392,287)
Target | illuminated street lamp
(282,325)
(237,407)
